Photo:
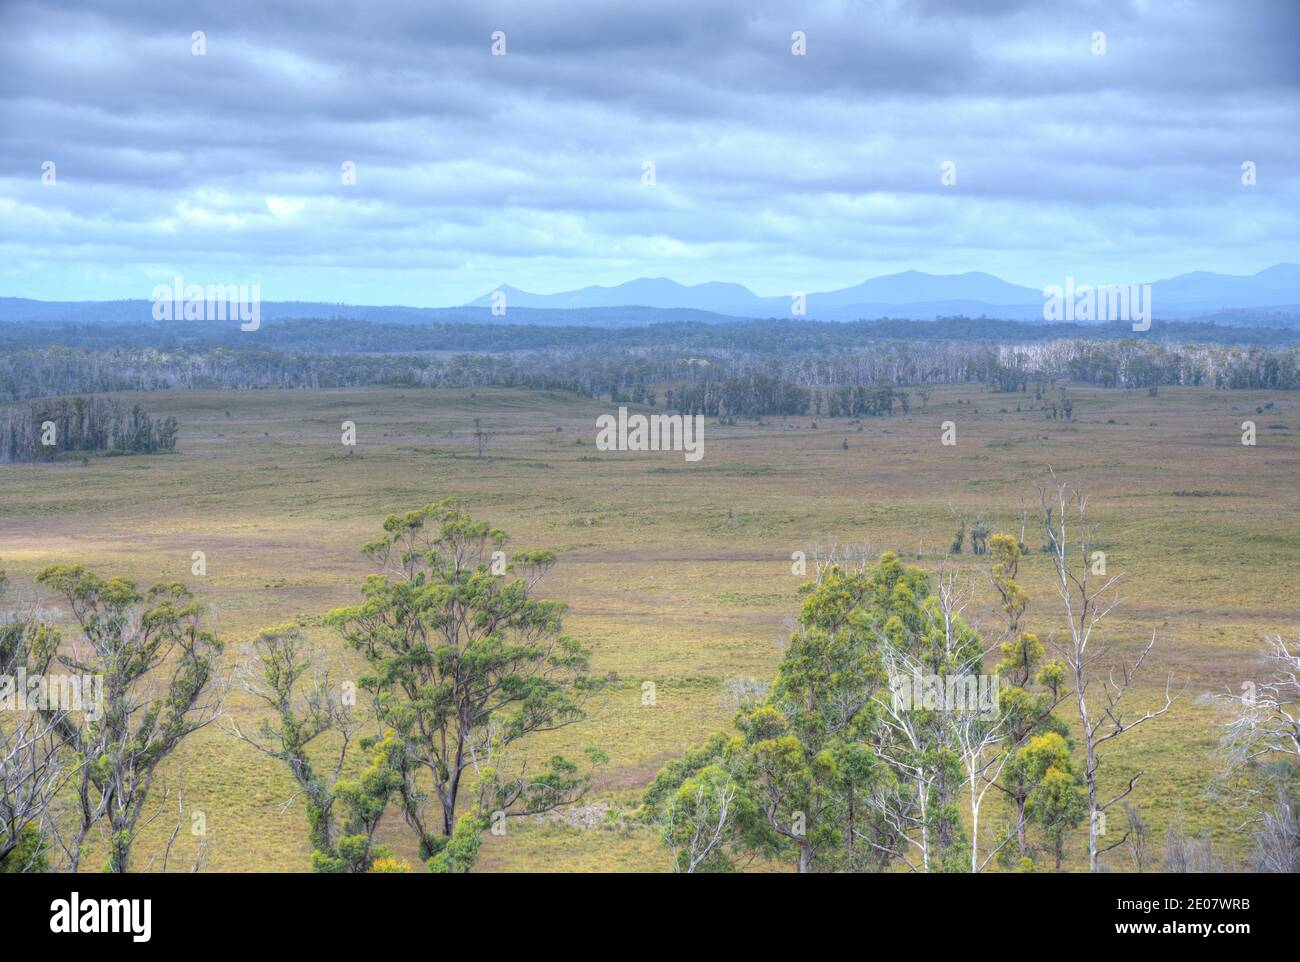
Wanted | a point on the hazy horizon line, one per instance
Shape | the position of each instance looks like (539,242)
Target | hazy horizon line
(1081,277)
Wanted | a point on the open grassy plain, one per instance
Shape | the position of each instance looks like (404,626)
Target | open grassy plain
(680,573)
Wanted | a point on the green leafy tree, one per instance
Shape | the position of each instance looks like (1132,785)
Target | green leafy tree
(156,662)
(805,762)
(306,707)
(846,779)
(364,799)
(924,637)
(464,665)
(703,808)
(851,766)
(26,851)
(459,852)
(795,783)
(1058,801)
(1031,686)
(700,822)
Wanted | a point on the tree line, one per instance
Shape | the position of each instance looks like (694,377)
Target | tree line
(46,429)
(731,376)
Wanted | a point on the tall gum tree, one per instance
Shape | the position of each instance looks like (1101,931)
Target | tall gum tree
(465,664)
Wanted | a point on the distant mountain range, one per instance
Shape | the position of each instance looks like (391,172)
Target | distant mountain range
(1270,297)
(908,290)
(914,295)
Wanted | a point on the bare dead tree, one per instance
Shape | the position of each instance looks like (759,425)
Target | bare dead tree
(980,743)
(32,770)
(743,692)
(1276,839)
(481,438)
(1087,603)
(902,804)
(1184,854)
(1268,723)
(850,556)
(1262,744)
(1139,838)
(34,762)
(198,828)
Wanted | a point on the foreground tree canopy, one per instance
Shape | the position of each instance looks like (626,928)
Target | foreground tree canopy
(466,664)
(854,763)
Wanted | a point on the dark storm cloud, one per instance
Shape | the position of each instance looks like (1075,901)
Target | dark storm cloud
(780,171)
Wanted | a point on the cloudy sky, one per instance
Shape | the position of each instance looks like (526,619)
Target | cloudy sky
(777,171)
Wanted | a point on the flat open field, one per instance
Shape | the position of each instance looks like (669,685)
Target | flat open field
(680,573)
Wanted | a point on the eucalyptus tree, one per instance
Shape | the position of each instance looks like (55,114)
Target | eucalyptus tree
(465,665)
(809,757)
(308,706)
(34,764)
(796,781)
(156,663)
(704,810)
(938,726)
(698,820)
(1057,801)
(851,761)
(1031,685)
